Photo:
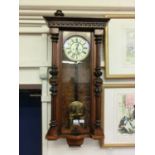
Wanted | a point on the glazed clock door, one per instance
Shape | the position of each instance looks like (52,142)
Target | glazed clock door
(76,79)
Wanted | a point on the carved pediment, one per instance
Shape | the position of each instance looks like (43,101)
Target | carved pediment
(69,22)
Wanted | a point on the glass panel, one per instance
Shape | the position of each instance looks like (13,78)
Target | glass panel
(76,96)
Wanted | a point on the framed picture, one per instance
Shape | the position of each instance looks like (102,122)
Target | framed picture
(118,115)
(120,48)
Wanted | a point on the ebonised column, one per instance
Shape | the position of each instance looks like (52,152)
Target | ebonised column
(98,82)
(52,133)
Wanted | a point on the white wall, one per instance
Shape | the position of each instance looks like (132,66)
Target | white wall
(81,3)
(35,60)
(90,147)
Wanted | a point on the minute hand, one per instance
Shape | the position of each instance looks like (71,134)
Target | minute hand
(77,47)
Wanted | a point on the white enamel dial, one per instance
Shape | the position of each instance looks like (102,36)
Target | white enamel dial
(76,48)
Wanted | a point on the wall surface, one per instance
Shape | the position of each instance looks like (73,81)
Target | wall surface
(35,59)
(82,3)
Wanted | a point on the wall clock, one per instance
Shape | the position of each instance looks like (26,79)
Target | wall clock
(75,78)
(76,48)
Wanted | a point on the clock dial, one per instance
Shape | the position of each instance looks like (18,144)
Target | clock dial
(76,48)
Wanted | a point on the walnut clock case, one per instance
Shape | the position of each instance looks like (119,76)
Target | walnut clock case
(75,78)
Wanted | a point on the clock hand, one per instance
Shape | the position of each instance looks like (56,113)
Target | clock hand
(77,47)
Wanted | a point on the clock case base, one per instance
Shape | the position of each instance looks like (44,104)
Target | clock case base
(74,140)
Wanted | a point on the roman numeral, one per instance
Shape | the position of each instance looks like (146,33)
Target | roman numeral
(84,52)
(73,56)
(69,52)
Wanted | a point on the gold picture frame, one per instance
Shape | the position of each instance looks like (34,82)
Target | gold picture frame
(108,60)
(104,117)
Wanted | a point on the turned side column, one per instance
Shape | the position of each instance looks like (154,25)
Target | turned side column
(52,133)
(98,83)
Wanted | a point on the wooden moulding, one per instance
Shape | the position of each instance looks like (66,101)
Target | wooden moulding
(98,134)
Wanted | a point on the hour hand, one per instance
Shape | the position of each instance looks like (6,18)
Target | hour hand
(77,47)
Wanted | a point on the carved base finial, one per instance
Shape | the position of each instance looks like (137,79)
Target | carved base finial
(74,141)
